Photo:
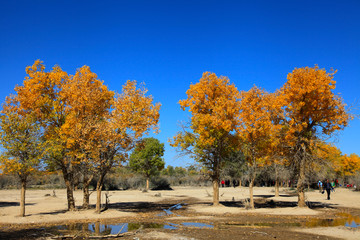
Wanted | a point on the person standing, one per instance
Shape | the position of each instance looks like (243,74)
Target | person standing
(328,188)
(222,183)
(320,185)
(333,186)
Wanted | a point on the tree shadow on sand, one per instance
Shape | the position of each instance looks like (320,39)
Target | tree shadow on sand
(265,203)
(13,204)
(136,207)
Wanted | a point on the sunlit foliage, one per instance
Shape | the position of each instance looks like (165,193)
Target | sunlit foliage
(257,130)
(214,104)
(312,111)
(20,138)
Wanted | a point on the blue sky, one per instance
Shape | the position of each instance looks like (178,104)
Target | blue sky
(169,44)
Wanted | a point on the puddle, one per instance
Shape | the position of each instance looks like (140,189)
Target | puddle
(197,225)
(111,229)
(353,224)
(341,219)
(171,226)
(265,224)
(99,229)
(169,212)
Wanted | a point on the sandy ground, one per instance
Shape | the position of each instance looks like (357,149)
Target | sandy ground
(42,208)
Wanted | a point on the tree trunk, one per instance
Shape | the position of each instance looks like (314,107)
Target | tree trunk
(240,183)
(277,188)
(251,190)
(301,184)
(147,183)
(86,197)
(215,192)
(276,182)
(70,195)
(22,200)
(69,182)
(86,194)
(98,193)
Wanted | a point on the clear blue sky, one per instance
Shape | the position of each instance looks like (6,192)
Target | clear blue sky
(169,44)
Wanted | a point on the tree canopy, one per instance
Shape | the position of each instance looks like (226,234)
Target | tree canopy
(146,158)
(214,106)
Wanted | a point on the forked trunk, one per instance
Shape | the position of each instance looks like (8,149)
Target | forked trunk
(215,192)
(98,194)
(86,194)
(22,200)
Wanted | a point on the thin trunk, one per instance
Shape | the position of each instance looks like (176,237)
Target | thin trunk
(277,188)
(215,192)
(301,184)
(276,182)
(147,184)
(98,193)
(251,189)
(97,228)
(22,200)
(240,183)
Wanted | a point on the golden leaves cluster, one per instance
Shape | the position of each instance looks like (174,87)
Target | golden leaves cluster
(20,140)
(259,127)
(135,111)
(304,109)
(80,116)
(214,105)
(310,104)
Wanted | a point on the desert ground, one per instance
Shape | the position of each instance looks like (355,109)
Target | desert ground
(183,213)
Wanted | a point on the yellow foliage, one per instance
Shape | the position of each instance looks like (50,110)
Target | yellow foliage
(213,103)
(348,165)
(135,111)
(259,126)
(311,106)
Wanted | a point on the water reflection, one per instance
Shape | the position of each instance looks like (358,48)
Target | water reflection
(344,219)
(169,212)
(99,229)
(197,225)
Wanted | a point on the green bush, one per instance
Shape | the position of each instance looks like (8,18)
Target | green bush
(160,183)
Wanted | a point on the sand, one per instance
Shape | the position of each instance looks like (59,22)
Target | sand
(42,208)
